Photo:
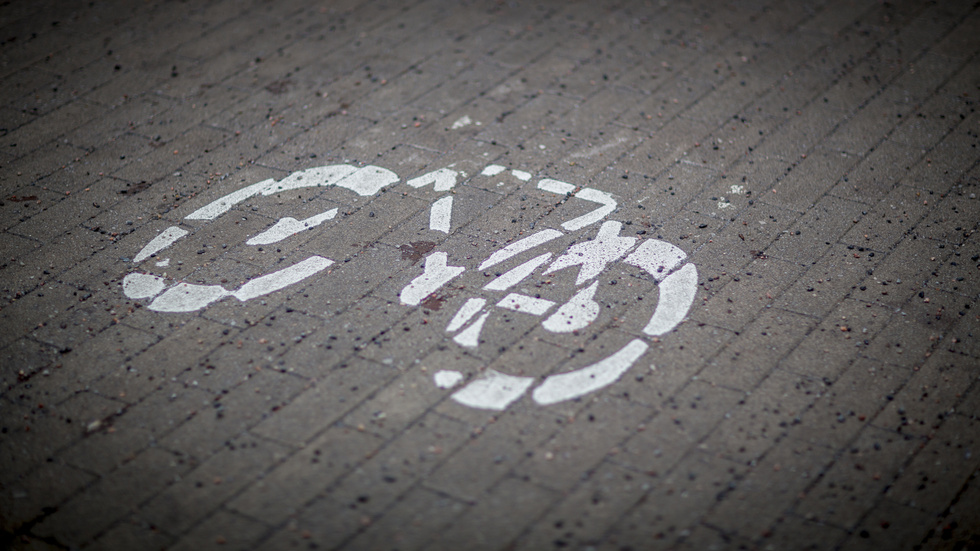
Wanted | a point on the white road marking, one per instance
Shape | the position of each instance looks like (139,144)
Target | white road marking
(363,181)
(493,391)
(223,204)
(575,314)
(436,274)
(289,226)
(594,255)
(187,297)
(516,275)
(443,179)
(521,175)
(554,186)
(676,296)
(440,215)
(319,176)
(160,242)
(493,170)
(525,304)
(470,338)
(368,180)
(467,311)
(137,285)
(589,194)
(566,386)
(282,278)
(517,247)
(656,257)
(447,378)
(461,122)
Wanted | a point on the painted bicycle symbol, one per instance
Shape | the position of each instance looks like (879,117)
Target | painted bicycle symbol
(676,280)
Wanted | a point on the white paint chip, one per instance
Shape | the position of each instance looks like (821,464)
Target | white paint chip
(575,314)
(447,379)
(436,274)
(565,386)
(288,226)
(516,275)
(160,242)
(493,170)
(462,122)
(525,304)
(676,296)
(521,175)
(440,215)
(493,391)
(517,247)
(554,186)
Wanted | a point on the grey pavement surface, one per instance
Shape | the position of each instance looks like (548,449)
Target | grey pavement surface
(802,373)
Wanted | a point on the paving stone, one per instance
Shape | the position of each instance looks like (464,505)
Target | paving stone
(326,399)
(324,459)
(486,458)
(842,410)
(129,533)
(693,486)
(112,497)
(688,416)
(955,528)
(836,275)
(201,491)
(32,496)
(782,476)
(830,347)
(585,515)
(413,520)
(747,292)
(224,530)
(845,492)
(793,531)
(486,526)
(379,481)
(557,463)
(901,210)
(919,484)
(764,422)
(888,524)
(774,334)
(232,413)
(929,397)
(38,432)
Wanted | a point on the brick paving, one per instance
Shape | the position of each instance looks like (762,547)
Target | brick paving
(816,162)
